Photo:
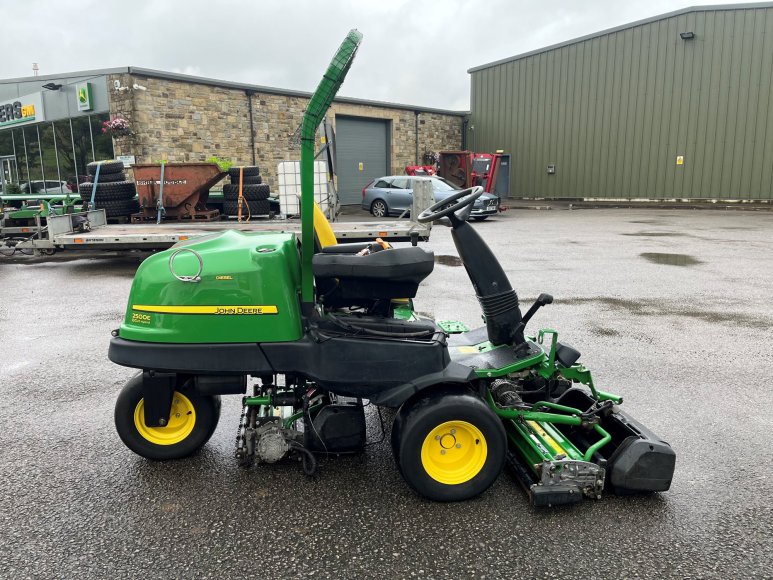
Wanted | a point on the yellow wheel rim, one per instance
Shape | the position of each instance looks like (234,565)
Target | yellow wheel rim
(454,452)
(182,419)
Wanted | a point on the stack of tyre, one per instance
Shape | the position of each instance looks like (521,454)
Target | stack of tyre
(114,193)
(254,192)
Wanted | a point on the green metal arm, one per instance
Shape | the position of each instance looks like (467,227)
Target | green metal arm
(315,112)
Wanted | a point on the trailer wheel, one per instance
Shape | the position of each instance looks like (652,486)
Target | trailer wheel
(448,446)
(191,423)
(379,208)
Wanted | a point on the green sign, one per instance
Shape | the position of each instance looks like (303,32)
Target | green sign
(83,90)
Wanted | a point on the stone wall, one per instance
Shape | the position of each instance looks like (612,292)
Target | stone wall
(181,121)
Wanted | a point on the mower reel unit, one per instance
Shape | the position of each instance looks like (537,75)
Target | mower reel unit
(244,313)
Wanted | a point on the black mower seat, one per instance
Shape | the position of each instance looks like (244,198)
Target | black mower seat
(399,265)
(394,273)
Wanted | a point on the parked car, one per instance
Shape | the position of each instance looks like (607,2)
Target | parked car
(40,186)
(393,195)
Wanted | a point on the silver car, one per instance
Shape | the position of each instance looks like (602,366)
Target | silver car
(393,195)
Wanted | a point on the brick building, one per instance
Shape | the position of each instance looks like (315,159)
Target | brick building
(185,118)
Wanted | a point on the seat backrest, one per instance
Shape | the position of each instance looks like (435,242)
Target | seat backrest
(323,231)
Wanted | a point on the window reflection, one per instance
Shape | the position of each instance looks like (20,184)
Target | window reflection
(52,157)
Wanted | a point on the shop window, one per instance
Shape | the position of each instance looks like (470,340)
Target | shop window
(66,154)
(32,144)
(21,155)
(103,143)
(49,154)
(83,153)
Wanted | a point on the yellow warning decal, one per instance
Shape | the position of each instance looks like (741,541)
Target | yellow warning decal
(467,349)
(233,310)
(546,438)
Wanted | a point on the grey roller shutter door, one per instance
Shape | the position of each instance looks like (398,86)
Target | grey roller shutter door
(361,150)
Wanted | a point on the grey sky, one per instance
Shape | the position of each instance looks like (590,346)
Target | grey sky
(413,52)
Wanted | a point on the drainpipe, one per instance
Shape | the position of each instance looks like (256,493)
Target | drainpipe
(249,94)
(416,130)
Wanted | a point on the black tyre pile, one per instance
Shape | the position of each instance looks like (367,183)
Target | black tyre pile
(254,191)
(114,193)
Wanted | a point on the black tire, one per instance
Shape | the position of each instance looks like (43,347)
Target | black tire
(248,180)
(110,177)
(379,208)
(108,166)
(109,191)
(250,192)
(256,208)
(118,208)
(206,413)
(249,170)
(117,191)
(459,418)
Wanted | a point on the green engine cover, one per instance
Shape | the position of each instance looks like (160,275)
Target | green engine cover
(248,291)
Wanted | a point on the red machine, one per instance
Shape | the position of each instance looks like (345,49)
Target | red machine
(419,170)
(489,170)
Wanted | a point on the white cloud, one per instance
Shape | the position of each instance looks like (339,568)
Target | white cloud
(413,52)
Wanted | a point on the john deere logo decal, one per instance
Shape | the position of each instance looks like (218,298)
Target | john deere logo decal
(83,90)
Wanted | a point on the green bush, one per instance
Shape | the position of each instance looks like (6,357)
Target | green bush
(223,163)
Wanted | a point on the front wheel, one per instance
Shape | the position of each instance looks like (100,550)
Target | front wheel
(449,446)
(192,422)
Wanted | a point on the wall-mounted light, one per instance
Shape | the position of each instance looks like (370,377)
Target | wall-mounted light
(52,86)
(686,35)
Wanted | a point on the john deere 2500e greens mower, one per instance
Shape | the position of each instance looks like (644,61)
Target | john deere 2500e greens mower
(312,328)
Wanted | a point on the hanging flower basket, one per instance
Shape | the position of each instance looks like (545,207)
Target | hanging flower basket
(117,127)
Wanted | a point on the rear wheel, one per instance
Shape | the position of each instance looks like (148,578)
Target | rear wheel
(192,421)
(449,446)
(379,208)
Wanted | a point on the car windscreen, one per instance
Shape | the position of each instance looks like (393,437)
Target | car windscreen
(440,185)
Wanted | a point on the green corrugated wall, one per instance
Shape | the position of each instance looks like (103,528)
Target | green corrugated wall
(613,112)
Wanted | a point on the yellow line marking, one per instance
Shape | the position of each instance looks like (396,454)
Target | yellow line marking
(224,309)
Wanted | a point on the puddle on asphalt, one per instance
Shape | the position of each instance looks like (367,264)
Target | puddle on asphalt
(448,260)
(651,222)
(670,259)
(656,234)
(661,307)
(600,331)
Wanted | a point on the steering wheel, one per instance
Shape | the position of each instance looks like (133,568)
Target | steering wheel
(462,198)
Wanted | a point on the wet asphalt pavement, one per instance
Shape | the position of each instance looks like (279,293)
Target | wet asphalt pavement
(671,309)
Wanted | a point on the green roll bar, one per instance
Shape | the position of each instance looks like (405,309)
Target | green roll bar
(315,112)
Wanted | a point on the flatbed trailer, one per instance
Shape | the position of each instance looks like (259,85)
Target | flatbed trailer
(67,232)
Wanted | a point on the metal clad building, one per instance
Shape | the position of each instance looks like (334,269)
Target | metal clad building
(642,111)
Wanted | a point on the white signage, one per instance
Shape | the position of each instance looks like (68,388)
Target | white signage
(22,110)
(126,159)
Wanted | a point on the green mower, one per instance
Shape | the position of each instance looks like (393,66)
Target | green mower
(306,330)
